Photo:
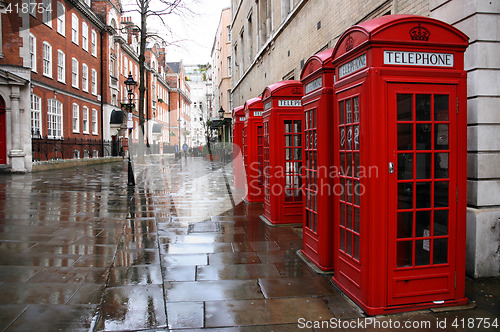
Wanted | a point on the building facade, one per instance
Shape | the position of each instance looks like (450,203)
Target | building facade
(180,105)
(62,90)
(221,64)
(271,40)
(201,97)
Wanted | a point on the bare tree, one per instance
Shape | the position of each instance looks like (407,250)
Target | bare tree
(148,9)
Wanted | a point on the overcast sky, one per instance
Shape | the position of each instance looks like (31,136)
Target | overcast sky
(195,32)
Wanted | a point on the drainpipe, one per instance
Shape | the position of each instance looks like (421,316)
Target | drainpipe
(102,97)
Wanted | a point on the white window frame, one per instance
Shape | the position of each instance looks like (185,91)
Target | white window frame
(85,120)
(94,122)
(85,77)
(76,118)
(74,73)
(32,48)
(94,81)
(47,59)
(61,18)
(54,119)
(85,36)
(61,66)
(74,28)
(47,12)
(36,115)
(93,40)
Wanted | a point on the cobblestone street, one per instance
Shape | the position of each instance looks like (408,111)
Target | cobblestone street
(79,251)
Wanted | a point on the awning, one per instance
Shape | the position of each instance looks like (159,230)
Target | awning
(116,117)
(157,128)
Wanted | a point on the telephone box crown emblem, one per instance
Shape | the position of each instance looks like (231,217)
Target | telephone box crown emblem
(296,91)
(419,33)
(349,44)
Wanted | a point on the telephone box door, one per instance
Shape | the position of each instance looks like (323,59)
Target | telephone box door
(422,126)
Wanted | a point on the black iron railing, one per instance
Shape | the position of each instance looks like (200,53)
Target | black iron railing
(74,148)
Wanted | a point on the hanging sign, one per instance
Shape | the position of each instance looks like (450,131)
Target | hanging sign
(130,122)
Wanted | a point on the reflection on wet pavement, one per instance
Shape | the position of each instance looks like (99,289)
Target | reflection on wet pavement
(81,251)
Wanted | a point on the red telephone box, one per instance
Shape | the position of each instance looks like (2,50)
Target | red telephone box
(317,77)
(253,150)
(238,168)
(401,143)
(282,122)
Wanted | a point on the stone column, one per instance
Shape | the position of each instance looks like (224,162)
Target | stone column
(16,153)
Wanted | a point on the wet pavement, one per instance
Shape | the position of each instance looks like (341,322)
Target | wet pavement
(79,251)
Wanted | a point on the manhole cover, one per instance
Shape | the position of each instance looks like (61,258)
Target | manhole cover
(204,227)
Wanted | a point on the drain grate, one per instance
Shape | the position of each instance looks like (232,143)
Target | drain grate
(204,227)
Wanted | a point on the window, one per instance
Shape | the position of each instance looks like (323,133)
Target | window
(85,78)
(47,60)
(61,66)
(94,121)
(85,36)
(93,41)
(85,120)
(74,73)
(74,29)
(125,66)
(228,33)
(94,82)
(61,18)
(33,52)
(36,116)
(47,12)
(76,118)
(229,66)
(54,118)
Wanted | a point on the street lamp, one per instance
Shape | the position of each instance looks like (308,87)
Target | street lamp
(222,131)
(130,84)
(179,122)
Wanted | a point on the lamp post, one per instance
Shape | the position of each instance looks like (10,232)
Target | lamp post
(221,116)
(130,84)
(179,122)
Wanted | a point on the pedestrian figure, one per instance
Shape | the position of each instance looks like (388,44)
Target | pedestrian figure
(185,148)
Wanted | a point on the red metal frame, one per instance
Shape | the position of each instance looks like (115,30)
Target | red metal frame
(283,160)
(238,124)
(318,77)
(401,129)
(253,150)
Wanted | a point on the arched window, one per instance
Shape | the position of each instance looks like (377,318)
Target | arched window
(74,28)
(61,18)
(47,59)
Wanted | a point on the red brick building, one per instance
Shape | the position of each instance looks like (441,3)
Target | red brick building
(180,104)
(62,92)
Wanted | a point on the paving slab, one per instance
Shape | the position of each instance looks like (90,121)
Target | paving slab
(177,252)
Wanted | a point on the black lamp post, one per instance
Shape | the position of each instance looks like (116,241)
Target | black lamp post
(221,116)
(179,122)
(130,84)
